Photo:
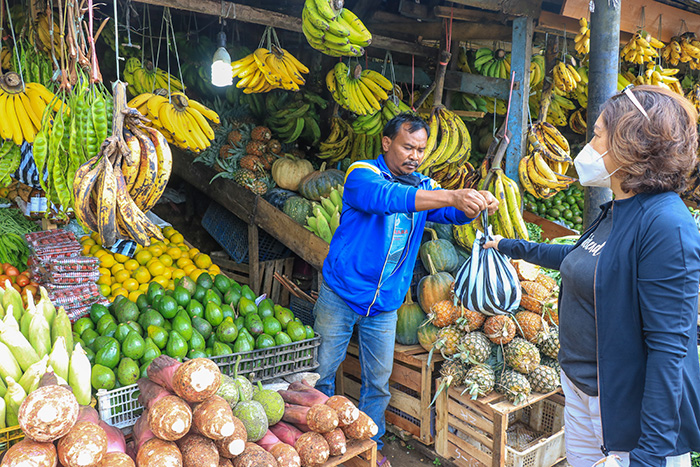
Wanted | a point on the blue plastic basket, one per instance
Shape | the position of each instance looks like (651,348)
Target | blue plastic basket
(232,234)
(302,309)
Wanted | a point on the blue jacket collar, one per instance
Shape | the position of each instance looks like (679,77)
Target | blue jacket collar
(381,164)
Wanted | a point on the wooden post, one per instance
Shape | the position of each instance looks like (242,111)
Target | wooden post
(518,115)
(454,48)
(253,258)
(500,424)
(440,76)
(550,58)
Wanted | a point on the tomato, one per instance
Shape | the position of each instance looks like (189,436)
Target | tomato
(17,287)
(34,284)
(12,271)
(30,288)
(22,280)
(5,266)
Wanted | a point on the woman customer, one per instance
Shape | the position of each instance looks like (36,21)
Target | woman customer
(628,304)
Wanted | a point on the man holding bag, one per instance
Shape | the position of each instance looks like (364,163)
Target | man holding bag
(370,263)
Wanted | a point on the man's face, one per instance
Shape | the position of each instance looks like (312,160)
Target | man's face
(404,153)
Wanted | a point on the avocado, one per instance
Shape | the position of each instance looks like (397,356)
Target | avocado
(126,310)
(182,324)
(264,341)
(266,308)
(296,331)
(220,348)
(232,297)
(271,326)
(248,293)
(227,331)
(213,314)
(158,335)
(150,351)
(197,342)
(254,324)
(151,317)
(128,372)
(108,355)
(102,378)
(283,315)
(246,306)
(203,326)
(194,308)
(123,330)
(194,353)
(133,346)
(176,346)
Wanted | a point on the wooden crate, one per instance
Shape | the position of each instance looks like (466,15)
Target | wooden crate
(549,229)
(358,454)
(240,272)
(492,432)
(411,384)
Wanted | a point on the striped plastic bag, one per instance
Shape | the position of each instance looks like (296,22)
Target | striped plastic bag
(487,282)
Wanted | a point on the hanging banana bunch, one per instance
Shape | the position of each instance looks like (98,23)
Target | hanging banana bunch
(577,122)
(641,48)
(449,141)
(494,64)
(581,91)
(361,91)
(542,170)
(334,30)
(536,70)
(147,78)
(456,176)
(339,143)
(582,41)
(462,61)
(182,121)
(114,189)
(682,49)
(566,77)
(694,96)
(658,76)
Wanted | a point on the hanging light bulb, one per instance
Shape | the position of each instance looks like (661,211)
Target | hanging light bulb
(221,71)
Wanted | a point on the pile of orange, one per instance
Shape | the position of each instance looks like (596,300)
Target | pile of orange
(162,262)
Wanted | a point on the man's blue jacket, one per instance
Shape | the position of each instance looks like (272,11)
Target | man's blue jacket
(646,302)
(360,246)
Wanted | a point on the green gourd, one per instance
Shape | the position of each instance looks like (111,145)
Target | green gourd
(441,251)
(434,287)
(409,317)
(320,183)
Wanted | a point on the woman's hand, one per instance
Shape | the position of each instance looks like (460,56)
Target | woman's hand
(493,243)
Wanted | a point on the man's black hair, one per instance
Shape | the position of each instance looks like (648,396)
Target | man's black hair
(415,123)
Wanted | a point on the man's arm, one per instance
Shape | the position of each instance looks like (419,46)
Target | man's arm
(469,201)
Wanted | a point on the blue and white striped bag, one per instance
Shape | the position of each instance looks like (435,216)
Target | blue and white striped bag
(487,282)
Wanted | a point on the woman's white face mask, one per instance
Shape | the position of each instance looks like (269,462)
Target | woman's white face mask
(591,168)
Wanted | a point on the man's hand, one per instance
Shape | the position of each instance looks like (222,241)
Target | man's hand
(472,202)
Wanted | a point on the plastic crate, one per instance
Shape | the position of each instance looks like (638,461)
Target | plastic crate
(232,234)
(120,407)
(10,436)
(302,309)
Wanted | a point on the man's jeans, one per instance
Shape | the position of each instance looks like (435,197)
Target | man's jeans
(334,321)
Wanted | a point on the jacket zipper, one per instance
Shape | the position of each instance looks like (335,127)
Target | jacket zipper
(595,314)
(379,284)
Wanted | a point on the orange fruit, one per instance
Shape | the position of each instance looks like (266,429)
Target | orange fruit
(188,268)
(193,252)
(177,238)
(142,275)
(143,257)
(161,280)
(174,252)
(130,284)
(120,291)
(122,276)
(156,250)
(143,287)
(104,280)
(168,231)
(166,259)
(86,240)
(156,268)
(105,272)
(116,268)
(96,237)
(86,250)
(183,248)
(105,290)
(184,261)
(196,273)
(94,249)
(202,260)
(119,258)
(214,269)
(131,265)
(168,273)
(115,286)
(107,260)
(177,274)
(134,295)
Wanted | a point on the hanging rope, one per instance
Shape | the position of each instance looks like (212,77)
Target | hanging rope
(14,41)
(143,36)
(116,39)
(167,18)
(93,54)
(510,96)
(155,64)
(2,16)
(177,55)
(413,80)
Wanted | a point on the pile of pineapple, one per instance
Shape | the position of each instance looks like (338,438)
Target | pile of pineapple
(513,355)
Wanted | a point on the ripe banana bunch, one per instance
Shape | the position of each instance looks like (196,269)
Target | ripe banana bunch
(114,189)
(297,120)
(658,76)
(456,176)
(577,122)
(498,106)
(182,121)
(146,79)
(559,108)
(581,91)
(326,214)
(548,158)
(334,30)
(694,96)
(462,61)
(494,64)
(21,111)
(582,41)
(449,141)
(40,36)
(362,93)
(392,107)
(683,49)
(268,69)
(536,70)
(641,48)
(566,77)
(5,58)
(339,143)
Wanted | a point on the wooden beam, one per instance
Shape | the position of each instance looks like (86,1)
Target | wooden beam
(403,74)
(254,15)
(461,31)
(477,84)
(411,9)
(472,16)
(529,8)
(557,24)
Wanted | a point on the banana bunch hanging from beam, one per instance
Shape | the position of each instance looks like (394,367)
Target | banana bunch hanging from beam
(694,96)
(682,49)
(392,107)
(658,76)
(581,91)
(456,176)
(577,122)
(339,143)
(368,131)
(334,30)
(268,69)
(566,77)
(147,78)
(494,64)
(582,41)
(641,48)
(114,189)
(357,90)
(449,141)
(542,170)
(536,70)
(182,121)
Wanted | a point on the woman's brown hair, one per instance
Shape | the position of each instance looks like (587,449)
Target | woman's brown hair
(655,155)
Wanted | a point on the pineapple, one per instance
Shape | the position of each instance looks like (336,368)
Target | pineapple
(258,187)
(530,325)
(479,381)
(447,341)
(474,347)
(256,148)
(514,386)
(522,355)
(544,379)
(251,162)
(261,133)
(535,290)
(531,304)
(244,177)
(500,329)
(547,282)
(470,320)
(267,159)
(453,370)
(225,151)
(550,313)
(235,137)
(274,146)
(549,343)
(526,271)
(444,313)
(551,362)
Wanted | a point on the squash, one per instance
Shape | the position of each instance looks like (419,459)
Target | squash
(288,171)
(443,231)
(320,183)
(441,251)
(298,208)
(277,197)
(434,287)
(409,317)
(427,335)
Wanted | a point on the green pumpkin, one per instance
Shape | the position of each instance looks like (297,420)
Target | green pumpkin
(434,287)
(444,231)
(320,183)
(441,251)
(409,317)
(298,208)
(427,335)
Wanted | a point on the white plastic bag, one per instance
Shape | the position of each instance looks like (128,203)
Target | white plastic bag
(487,282)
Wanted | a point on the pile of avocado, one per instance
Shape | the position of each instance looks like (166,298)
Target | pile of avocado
(210,317)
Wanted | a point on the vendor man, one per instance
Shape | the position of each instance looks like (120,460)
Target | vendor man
(370,263)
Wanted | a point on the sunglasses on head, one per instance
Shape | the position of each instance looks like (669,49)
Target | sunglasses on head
(627,91)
